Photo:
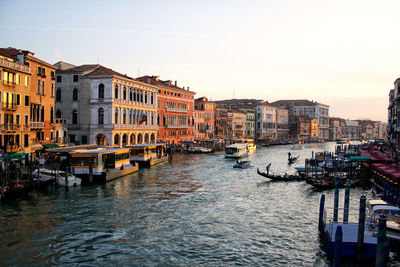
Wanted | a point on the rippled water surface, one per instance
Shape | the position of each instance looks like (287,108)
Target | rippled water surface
(196,211)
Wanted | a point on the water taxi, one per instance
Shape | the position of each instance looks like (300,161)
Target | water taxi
(251,146)
(237,150)
(102,164)
(148,154)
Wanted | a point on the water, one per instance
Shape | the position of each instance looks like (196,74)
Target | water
(197,211)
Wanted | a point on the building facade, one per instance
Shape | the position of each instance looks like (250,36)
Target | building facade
(221,122)
(102,106)
(266,122)
(204,118)
(27,101)
(175,109)
(309,108)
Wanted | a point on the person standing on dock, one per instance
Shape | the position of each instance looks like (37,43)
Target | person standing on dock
(289,155)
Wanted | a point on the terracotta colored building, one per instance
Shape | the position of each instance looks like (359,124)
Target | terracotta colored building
(27,97)
(204,118)
(221,121)
(175,108)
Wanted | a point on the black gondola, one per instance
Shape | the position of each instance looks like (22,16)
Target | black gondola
(285,177)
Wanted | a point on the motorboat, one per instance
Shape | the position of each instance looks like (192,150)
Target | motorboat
(392,214)
(44,175)
(242,164)
(292,159)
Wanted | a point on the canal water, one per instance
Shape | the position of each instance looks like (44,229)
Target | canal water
(196,211)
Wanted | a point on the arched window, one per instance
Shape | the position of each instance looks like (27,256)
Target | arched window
(101,90)
(152,99)
(145,97)
(58,95)
(124,94)
(130,94)
(130,116)
(58,114)
(101,116)
(75,95)
(134,95)
(116,116)
(75,117)
(116,91)
(124,117)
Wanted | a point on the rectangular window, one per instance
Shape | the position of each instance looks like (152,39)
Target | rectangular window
(39,70)
(26,140)
(52,74)
(84,139)
(26,80)
(18,99)
(17,78)
(27,100)
(17,119)
(75,79)
(58,78)
(26,120)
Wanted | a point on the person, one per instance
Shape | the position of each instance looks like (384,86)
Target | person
(268,166)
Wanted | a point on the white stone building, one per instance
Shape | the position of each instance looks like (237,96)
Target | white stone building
(266,122)
(105,107)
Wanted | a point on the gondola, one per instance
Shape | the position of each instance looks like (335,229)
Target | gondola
(286,177)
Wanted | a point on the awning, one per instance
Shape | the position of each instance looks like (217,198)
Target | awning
(359,158)
(51,146)
(14,156)
(36,147)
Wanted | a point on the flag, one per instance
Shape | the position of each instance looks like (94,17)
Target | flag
(144,118)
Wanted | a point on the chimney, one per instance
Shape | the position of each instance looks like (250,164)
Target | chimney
(176,83)
(188,88)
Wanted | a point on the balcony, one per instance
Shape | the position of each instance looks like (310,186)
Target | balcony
(177,126)
(37,125)
(100,100)
(134,127)
(9,106)
(176,110)
(60,121)
(9,83)
(7,127)
(14,65)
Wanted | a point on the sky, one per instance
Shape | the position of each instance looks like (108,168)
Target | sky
(343,53)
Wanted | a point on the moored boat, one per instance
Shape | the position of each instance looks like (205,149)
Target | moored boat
(148,154)
(103,164)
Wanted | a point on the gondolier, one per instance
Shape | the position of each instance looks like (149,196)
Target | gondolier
(268,166)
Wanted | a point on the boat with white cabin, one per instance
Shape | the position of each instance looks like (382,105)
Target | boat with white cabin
(237,150)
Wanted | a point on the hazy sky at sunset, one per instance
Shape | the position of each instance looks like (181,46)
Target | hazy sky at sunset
(343,53)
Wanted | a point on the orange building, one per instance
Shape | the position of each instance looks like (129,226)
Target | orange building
(27,97)
(204,118)
(175,108)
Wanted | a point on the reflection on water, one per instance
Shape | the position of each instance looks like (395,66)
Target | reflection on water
(196,211)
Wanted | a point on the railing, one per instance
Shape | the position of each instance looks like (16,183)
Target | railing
(134,127)
(14,65)
(60,121)
(37,125)
(176,126)
(9,127)
(100,100)
(9,106)
(177,110)
(9,83)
